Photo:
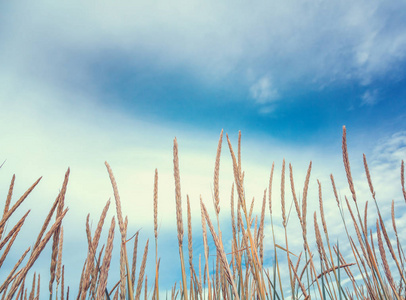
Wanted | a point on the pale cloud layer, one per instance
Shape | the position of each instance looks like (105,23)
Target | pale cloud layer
(263,92)
(318,43)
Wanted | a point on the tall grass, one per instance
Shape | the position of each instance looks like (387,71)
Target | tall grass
(374,270)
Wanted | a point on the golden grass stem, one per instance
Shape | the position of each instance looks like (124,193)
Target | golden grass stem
(179,222)
(101,288)
(7,215)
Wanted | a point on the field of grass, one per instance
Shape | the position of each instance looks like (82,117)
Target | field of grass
(375,270)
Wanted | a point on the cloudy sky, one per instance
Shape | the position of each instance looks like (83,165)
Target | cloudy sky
(83,84)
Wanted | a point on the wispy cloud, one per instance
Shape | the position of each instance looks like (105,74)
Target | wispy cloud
(263,92)
(370,98)
(294,42)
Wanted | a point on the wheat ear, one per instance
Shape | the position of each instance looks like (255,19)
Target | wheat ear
(383,256)
(36,252)
(104,270)
(261,230)
(134,261)
(189,234)
(283,194)
(12,234)
(402,178)
(347,165)
(142,271)
(179,221)
(32,293)
(17,204)
(220,251)
(8,200)
(55,242)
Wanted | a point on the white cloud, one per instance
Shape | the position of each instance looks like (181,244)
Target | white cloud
(263,92)
(293,42)
(391,150)
(370,98)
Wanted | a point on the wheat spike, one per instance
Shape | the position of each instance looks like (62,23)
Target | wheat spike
(347,165)
(283,194)
(142,271)
(118,202)
(179,221)
(101,288)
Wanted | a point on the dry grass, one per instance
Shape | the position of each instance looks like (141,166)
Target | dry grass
(374,270)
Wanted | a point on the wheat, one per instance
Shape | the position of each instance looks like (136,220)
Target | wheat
(134,261)
(63,283)
(283,194)
(239,275)
(142,271)
(334,189)
(7,204)
(46,222)
(118,202)
(156,204)
(304,201)
(347,165)
(106,262)
(237,175)
(270,189)
(383,256)
(13,235)
(122,271)
(220,251)
(179,221)
(32,293)
(234,229)
(292,185)
(7,215)
(59,258)
(56,236)
(36,252)
(261,230)
(93,244)
(96,238)
(323,219)
(216,176)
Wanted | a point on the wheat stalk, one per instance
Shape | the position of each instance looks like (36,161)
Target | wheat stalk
(142,271)
(283,194)
(292,186)
(7,204)
(56,236)
(13,235)
(347,165)
(35,253)
(189,235)
(101,288)
(7,215)
(134,261)
(59,260)
(220,251)
(261,230)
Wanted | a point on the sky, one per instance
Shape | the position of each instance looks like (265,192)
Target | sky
(81,84)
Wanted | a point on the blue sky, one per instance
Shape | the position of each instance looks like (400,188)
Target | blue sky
(81,84)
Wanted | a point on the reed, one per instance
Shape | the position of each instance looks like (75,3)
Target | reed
(243,268)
